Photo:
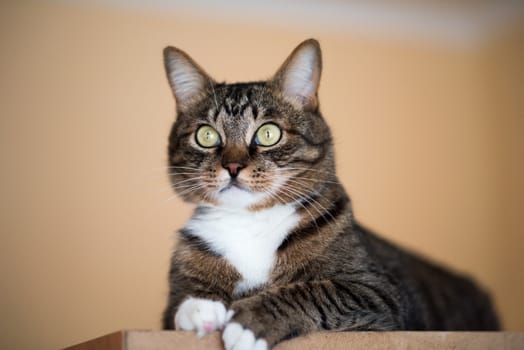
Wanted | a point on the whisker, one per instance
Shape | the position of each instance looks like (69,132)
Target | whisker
(314,200)
(177,185)
(317,180)
(181,167)
(191,189)
(308,169)
(283,190)
(190,179)
(184,186)
(311,199)
(207,196)
(170,198)
(272,194)
(302,196)
(196,172)
(297,192)
(214,93)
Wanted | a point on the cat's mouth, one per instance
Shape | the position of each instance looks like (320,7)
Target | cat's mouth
(238,195)
(234,185)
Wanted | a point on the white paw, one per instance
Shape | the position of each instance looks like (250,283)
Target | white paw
(236,337)
(201,315)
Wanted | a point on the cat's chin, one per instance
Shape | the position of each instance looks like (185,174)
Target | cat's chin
(238,197)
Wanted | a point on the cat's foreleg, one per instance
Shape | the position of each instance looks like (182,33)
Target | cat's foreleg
(285,312)
(194,305)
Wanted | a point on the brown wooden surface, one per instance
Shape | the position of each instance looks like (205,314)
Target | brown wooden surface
(113,341)
(169,340)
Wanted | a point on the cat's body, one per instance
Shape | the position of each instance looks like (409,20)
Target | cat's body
(272,250)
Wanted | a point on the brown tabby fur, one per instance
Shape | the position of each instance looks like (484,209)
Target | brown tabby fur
(329,273)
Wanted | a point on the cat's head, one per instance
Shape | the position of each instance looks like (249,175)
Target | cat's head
(249,144)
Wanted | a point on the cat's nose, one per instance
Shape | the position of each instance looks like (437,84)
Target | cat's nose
(233,168)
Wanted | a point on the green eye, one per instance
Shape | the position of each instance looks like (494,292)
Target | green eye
(207,137)
(268,135)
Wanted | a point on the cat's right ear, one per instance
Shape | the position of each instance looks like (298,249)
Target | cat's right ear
(187,80)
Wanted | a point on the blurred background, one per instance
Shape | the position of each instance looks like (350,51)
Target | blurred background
(425,99)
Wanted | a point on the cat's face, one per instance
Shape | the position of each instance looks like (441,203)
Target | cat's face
(252,144)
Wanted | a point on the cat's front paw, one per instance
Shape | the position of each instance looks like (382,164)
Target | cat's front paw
(236,337)
(201,315)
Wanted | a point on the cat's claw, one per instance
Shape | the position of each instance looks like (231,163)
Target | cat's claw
(202,316)
(236,337)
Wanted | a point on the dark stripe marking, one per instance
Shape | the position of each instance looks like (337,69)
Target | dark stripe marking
(306,139)
(316,225)
(383,297)
(270,309)
(356,298)
(331,299)
(277,307)
(196,242)
(305,297)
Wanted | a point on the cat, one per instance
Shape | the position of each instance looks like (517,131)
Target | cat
(272,250)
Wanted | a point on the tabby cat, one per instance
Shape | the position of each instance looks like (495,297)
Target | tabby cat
(272,250)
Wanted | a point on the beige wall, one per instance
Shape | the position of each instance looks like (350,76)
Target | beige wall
(429,143)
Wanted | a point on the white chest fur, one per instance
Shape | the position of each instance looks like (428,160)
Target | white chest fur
(248,240)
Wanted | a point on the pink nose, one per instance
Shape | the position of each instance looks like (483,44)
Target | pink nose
(233,168)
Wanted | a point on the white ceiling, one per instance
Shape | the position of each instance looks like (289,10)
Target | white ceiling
(466,22)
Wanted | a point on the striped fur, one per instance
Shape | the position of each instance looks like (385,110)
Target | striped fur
(326,271)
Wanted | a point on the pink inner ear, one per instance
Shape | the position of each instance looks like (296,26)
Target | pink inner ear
(302,75)
(187,81)
(186,78)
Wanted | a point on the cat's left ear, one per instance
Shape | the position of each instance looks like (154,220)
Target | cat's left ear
(188,81)
(299,77)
